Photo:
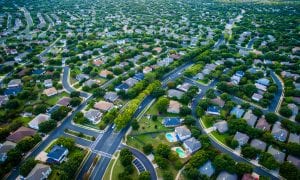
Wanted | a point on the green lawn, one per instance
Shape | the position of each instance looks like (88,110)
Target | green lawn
(108,170)
(25,120)
(220,137)
(78,134)
(148,125)
(154,111)
(119,169)
(139,141)
(53,100)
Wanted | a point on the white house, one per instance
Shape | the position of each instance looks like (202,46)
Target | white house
(34,123)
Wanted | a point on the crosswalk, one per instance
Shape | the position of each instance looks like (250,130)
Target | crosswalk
(101,153)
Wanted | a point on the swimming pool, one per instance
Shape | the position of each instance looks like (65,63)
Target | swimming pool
(170,137)
(180,152)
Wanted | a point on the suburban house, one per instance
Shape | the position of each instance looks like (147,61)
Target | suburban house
(48,83)
(250,118)
(3,100)
(249,176)
(50,91)
(295,138)
(257,97)
(105,73)
(218,101)
(103,106)
(241,138)
(192,145)
(258,144)
(182,133)
(39,172)
(34,123)
(221,126)
(184,87)
(279,133)
(224,175)
(14,83)
(174,107)
(235,79)
(238,112)
(294,160)
(213,110)
(93,115)
(111,96)
(207,169)
(65,101)
(82,77)
(4,148)
(294,109)
(175,93)
(131,82)
(97,62)
(147,69)
(263,81)
(278,155)
(89,83)
(139,76)
(20,133)
(263,124)
(260,87)
(171,121)
(121,87)
(57,154)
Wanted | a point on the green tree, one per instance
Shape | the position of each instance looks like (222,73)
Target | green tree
(289,171)
(163,150)
(243,168)
(271,117)
(135,125)
(285,111)
(40,108)
(249,152)
(60,113)
(47,126)
(27,166)
(224,162)
(125,156)
(162,104)
(268,161)
(75,101)
(145,176)
(69,143)
(148,148)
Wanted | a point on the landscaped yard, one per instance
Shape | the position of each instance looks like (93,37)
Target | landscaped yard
(148,125)
(117,169)
(138,141)
(220,137)
(154,111)
(53,100)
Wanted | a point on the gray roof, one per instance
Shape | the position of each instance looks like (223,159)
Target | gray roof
(6,146)
(258,144)
(183,131)
(278,155)
(175,93)
(221,126)
(241,138)
(224,175)
(38,172)
(294,138)
(294,160)
(111,96)
(131,82)
(207,169)
(278,132)
(250,118)
(193,144)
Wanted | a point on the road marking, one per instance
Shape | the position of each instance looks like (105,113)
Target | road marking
(102,153)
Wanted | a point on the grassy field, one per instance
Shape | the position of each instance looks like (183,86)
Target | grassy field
(78,134)
(154,111)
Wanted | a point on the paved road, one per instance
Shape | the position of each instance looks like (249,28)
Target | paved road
(57,133)
(258,169)
(146,162)
(66,84)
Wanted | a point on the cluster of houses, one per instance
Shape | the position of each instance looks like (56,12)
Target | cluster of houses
(277,131)
(208,68)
